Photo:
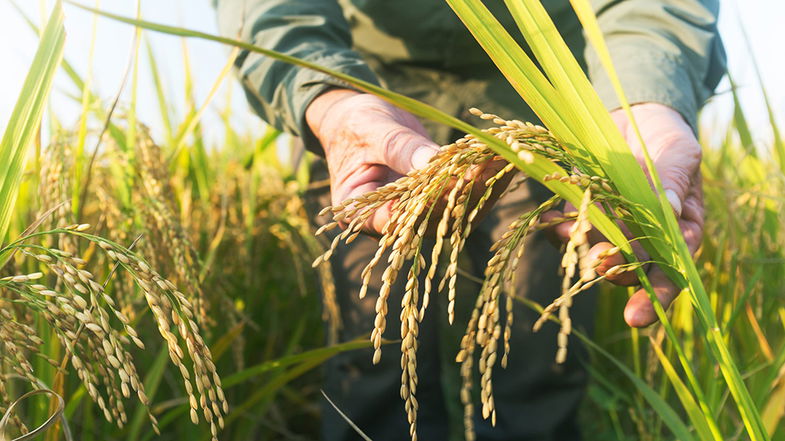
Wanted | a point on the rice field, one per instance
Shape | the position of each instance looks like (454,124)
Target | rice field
(155,289)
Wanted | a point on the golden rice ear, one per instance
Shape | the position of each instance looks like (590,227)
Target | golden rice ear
(449,182)
(96,334)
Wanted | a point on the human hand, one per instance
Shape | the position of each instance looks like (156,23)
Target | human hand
(676,154)
(368,143)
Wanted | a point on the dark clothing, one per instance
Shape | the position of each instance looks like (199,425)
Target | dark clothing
(665,51)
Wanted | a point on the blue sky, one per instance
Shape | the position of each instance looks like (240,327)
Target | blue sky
(761,18)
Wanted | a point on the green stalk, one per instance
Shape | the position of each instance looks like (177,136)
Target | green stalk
(779,143)
(160,93)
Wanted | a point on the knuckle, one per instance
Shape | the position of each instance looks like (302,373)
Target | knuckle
(676,178)
(393,140)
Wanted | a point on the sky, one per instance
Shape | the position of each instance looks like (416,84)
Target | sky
(761,18)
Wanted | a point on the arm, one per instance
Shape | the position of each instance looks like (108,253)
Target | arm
(665,51)
(366,141)
(314,30)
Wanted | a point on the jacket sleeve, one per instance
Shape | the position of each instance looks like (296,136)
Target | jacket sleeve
(665,51)
(313,30)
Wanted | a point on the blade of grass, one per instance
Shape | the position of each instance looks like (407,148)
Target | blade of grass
(346,418)
(75,78)
(163,104)
(132,129)
(774,408)
(27,114)
(254,371)
(225,341)
(740,120)
(779,144)
(704,424)
(81,137)
(195,116)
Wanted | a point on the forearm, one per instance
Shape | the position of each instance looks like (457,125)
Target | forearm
(665,51)
(313,30)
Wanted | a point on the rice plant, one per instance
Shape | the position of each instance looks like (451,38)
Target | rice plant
(78,301)
(70,304)
(90,321)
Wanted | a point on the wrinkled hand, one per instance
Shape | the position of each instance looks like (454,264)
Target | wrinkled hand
(676,154)
(369,142)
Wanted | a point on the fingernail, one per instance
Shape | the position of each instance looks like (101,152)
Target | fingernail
(422,155)
(673,198)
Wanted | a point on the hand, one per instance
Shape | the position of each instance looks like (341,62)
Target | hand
(368,143)
(676,154)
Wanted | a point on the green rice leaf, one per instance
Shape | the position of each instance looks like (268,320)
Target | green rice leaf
(26,117)
(701,418)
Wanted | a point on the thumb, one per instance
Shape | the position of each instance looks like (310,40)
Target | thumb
(404,150)
(677,164)
(676,152)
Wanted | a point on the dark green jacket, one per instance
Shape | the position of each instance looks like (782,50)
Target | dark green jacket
(666,51)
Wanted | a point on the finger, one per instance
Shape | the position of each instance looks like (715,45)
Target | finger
(674,149)
(561,230)
(639,311)
(362,181)
(600,256)
(404,149)
(691,222)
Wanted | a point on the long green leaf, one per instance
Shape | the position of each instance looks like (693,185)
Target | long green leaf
(254,371)
(27,114)
(740,120)
(779,143)
(160,93)
(665,412)
(701,417)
